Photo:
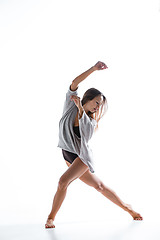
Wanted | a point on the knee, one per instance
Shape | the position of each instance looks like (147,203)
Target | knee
(62,184)
(99,187)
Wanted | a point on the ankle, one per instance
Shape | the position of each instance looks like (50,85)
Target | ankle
(50,217)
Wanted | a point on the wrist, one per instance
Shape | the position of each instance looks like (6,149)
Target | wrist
(93,68)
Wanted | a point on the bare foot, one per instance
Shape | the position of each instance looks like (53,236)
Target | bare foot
(49,223)
(135,215)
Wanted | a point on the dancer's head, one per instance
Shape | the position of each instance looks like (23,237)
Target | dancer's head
(94,103)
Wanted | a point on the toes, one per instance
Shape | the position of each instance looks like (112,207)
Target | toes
(47,226)
(138,218)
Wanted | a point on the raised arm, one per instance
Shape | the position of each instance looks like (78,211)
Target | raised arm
(98,66)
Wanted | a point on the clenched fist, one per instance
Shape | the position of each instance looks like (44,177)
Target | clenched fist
(100,66)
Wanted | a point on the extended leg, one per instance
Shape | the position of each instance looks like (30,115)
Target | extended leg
(75,171)
(92,180)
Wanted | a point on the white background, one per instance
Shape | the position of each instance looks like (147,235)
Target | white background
(44,45)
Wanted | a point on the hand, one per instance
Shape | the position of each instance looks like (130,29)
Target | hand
(100,66)
(76,100)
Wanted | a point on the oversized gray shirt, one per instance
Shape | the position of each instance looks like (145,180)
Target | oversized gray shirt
(68,140)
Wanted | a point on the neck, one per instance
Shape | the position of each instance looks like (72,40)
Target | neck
(85,109)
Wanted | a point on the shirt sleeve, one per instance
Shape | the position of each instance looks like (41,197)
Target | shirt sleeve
(87,126)
(68,104)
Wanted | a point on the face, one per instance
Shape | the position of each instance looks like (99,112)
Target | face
(94,104)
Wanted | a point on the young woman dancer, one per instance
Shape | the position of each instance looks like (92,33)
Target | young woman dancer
(79,120)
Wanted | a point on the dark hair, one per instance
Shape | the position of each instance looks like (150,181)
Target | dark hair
(90,94)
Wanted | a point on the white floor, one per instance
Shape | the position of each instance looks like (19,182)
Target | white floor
(107,230)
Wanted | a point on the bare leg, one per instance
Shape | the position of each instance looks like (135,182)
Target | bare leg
(111,195)
(92,180)
(77,169)
(57,202)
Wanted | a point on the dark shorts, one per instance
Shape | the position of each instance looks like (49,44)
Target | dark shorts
(69,156)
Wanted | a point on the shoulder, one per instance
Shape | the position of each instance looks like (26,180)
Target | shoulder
(93,120)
